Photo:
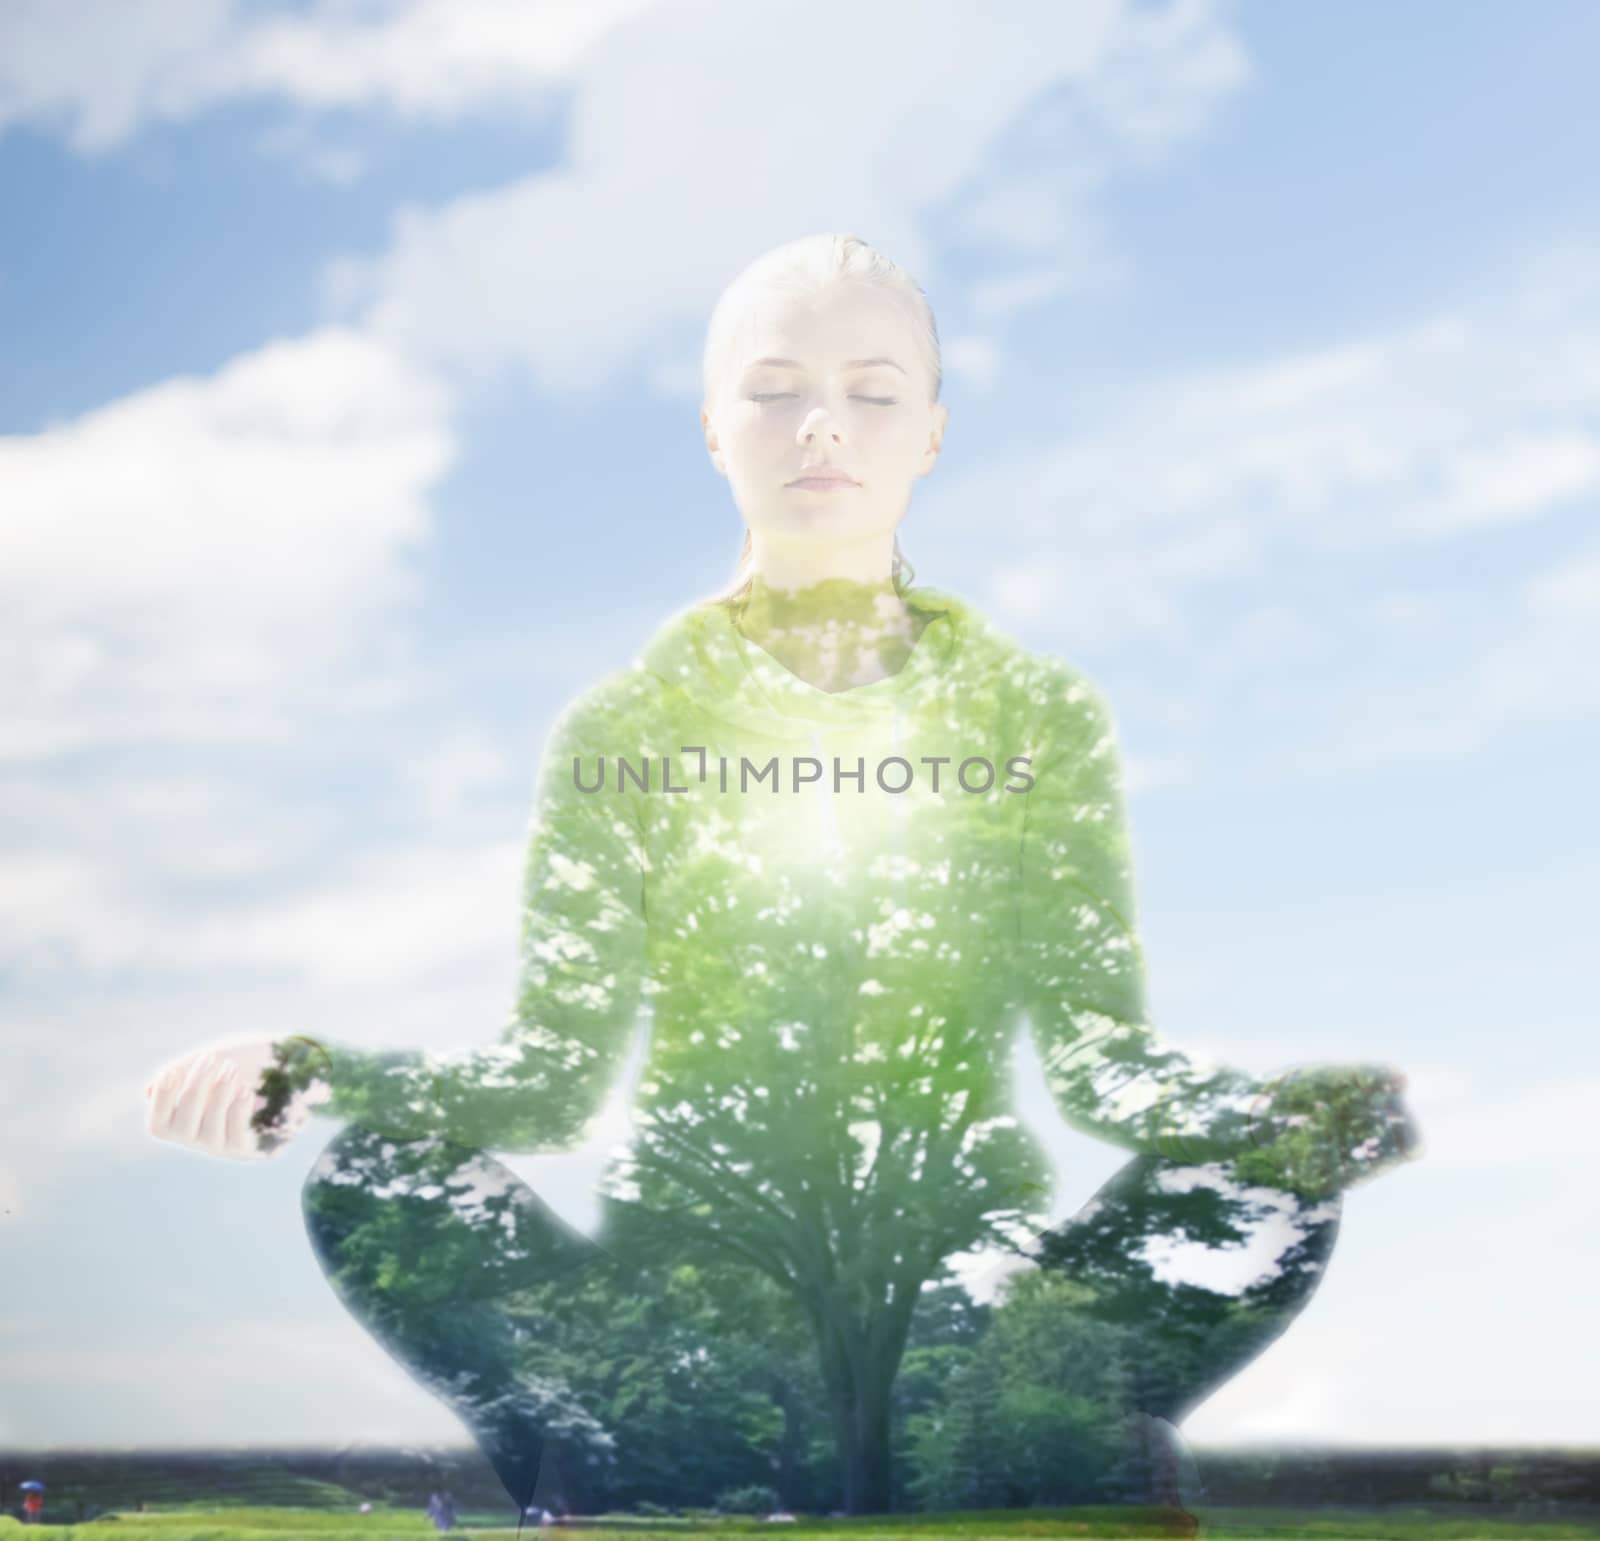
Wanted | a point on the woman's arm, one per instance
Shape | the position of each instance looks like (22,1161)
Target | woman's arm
(1082,975)
(581,975)
(1315,1130)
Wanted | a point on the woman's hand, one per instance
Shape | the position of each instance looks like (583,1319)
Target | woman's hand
(1324,1129)
(230,1099)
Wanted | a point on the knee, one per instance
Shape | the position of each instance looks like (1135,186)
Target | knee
(323,1171)
(356,1154)
(350,1160)
(315,1194)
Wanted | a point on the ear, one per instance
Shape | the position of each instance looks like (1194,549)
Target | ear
(941,416)
(713,447)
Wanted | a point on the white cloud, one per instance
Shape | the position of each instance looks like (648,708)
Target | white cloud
(1524,473)
(1206,512)
(393,917)
(1519,654)
(176,825)
(1484,415)
(1552,1123)
(268,1352)
(1540,666)
(98,72)
(1303,1404)
(1399,1347)
(304,143)
(397,916)
(97,68)
(973,357)
(175,563)
(214,560)
(544,274)
(207,561)
(465,761)
(101,70)
(252,1377)
(11,1188)
(88,1056)
(1144,773)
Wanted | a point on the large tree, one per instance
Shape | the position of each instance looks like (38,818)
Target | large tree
(835,981)
(848,1153)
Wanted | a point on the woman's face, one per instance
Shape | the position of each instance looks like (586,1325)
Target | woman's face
(853,396)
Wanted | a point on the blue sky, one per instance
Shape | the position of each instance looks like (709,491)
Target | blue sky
(348,426)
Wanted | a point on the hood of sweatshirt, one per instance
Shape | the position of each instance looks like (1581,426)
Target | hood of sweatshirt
(702,653)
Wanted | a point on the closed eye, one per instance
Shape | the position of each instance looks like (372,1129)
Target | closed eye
(877,401)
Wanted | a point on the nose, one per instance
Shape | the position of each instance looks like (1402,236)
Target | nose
(809,428)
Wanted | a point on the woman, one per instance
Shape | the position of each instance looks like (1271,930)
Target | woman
(842,838)
(442,1510)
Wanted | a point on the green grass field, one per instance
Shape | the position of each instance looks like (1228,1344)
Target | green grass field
(279,1524)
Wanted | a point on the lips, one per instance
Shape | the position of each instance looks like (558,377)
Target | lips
(823,478)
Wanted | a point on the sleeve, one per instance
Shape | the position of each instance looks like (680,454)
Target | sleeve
(1081,970)
(581,974)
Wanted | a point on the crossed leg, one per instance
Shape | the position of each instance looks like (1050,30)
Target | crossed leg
(1195,1275)
(437,1250)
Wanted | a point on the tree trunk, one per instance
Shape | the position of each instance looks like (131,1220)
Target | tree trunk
(867,1465)
(788,1461)
(860,1385)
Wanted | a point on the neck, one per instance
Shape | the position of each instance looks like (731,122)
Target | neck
(833,633)
(788,563)
(826,602)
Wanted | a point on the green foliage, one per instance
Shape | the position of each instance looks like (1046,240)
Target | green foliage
(1029,1413)
(1324,1128)
(1099,1523)
(702,1371)
(753,1499)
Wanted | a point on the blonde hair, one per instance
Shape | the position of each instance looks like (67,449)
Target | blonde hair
(808,267)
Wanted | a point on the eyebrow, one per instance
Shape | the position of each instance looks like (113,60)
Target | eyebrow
(854,363)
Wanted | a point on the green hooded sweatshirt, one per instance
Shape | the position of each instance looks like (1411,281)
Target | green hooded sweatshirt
(837,911)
